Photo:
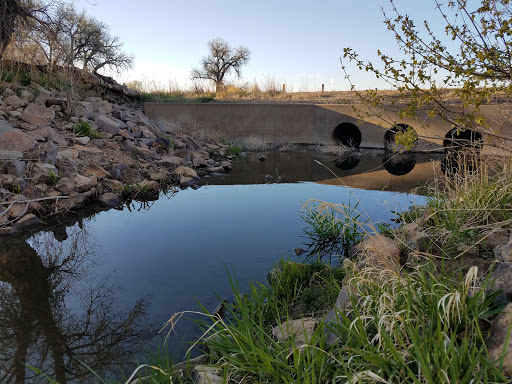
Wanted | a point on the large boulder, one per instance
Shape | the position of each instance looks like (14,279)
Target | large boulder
(377,251)
(44,173)
(37,115)
(5,127)
(298,330)
(97,171)
(499,340)
(83,109)
(14,102)
(501,279)
(16,140)
(110,199)
(343,306)
(207,375)
(109,124)
(10,155)
(504,252)
(16,167)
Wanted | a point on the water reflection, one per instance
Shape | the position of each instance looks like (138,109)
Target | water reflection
(399,164)
(56,316)
(368,169)
(347,162)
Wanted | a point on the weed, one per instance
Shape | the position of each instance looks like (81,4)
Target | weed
(54,177)
(332,229)
(84,128)
(234,150)
(423,326)
(466,204)
(8,76)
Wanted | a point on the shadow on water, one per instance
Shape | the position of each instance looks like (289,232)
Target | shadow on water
(57,315)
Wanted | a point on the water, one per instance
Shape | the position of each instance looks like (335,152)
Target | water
(91,289)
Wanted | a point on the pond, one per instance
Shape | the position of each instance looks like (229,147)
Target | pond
(90,289)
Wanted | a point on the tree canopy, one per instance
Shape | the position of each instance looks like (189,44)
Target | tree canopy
(63,35)
(471,62)
(221,60)
(15,12)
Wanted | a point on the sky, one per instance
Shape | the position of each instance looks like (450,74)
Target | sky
(293,42)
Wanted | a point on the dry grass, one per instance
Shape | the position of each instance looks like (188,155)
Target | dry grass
(192,128)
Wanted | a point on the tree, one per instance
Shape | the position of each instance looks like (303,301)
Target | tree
(15,12)
(472,61)
(221,60)
(69,37)
(40,329)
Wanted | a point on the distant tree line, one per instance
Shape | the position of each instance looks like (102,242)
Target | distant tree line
(51,32)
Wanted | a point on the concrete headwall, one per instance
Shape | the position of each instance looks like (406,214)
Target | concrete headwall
(313,124)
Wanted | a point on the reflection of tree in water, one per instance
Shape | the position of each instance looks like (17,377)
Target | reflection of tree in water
(399,164)
(42,325)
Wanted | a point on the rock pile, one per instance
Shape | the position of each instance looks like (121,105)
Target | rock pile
(47,168)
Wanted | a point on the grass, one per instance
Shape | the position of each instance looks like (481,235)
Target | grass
(473,201)
(84,128)
(423,326)
(234,150)
(332,229)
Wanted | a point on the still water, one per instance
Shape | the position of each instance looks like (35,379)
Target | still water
(90,290)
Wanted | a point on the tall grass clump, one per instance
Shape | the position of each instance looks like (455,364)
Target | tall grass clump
(473,200)
(424,326)
(332,229)
(245,350)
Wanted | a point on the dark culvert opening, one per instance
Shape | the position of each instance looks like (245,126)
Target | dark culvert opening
(347,134)
(389,136)
(463,139)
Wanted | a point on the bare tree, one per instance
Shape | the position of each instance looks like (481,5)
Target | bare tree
(15,12)
(69,37)
(38,326)
(221,60)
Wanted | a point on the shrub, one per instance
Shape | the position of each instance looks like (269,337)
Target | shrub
(84,128)
(234,150)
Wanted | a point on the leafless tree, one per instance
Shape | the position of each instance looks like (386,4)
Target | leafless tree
(38,326)
(221,60)
(14,13)
(69,37)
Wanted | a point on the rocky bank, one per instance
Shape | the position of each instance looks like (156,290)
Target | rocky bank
(48,168)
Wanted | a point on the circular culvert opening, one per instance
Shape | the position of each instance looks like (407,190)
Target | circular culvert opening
(457,138)
(347,134)
(389,136)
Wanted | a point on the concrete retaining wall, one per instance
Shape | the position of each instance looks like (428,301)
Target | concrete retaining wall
(312,124)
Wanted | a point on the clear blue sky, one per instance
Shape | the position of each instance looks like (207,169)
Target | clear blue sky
(294,42)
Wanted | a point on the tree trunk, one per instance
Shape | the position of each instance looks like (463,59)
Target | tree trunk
(9,11)
(219,86)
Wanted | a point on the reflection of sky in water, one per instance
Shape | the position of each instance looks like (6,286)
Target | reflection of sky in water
(181,249)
